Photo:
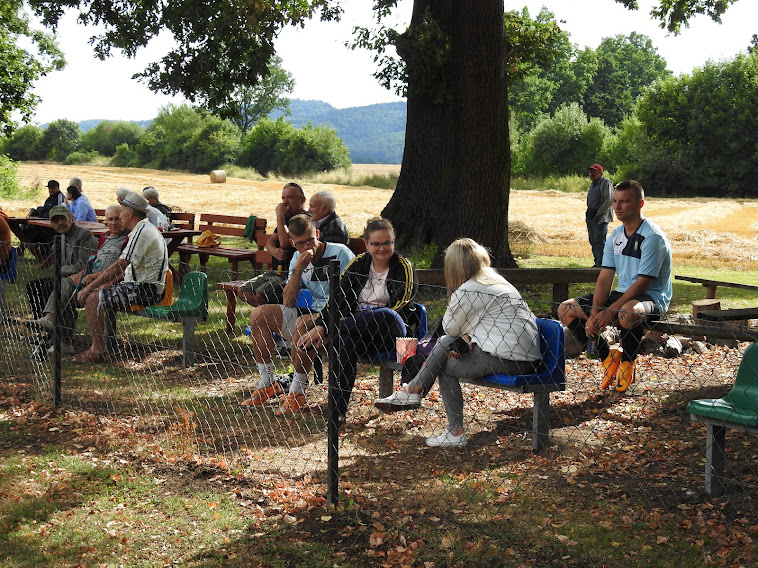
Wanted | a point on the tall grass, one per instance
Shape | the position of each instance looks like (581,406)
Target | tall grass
(335,177)
(568,184)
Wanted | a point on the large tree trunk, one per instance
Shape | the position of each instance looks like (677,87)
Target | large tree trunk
(456,164)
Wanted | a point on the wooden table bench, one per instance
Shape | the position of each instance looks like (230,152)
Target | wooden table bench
(560,278)
(737,314)
(228,225)
(711,285)
(738,410)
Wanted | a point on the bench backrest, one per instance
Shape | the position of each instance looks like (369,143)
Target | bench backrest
(744,393)
(183,220)
(553,366)
(100,214)
(357,245)
(12,272)
(230,225)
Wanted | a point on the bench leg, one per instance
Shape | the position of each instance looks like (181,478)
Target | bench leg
(235,269)
(188,343)
(3,307)
(541,420)
(386,381)
(715,457)
(710,293)
(560,295)
(231,311)
(109,318)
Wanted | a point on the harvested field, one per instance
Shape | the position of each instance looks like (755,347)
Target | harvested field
(719,233)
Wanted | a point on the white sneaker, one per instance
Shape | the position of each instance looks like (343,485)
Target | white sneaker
(447,440)
(67,348)
(398,400)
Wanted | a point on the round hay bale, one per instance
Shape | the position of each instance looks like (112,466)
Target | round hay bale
(218,176)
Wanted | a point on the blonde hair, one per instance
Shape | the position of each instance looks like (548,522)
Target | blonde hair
(466,259)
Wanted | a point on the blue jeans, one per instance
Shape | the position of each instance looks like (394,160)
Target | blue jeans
(364,333)
(597,234)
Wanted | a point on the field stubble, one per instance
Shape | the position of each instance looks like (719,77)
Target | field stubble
(712,233)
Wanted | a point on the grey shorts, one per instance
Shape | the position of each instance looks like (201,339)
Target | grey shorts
(122,296)
(650,307)
(269,285)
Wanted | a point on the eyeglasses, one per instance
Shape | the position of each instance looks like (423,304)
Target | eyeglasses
(384,244)
(306,242)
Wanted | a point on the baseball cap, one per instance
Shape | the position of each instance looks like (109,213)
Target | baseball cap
(53,183)
(597,167)
(58,210)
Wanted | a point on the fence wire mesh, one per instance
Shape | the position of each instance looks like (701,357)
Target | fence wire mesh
(637,453)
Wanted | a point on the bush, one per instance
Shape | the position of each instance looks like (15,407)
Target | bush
(278,146)
(60,138)
(125,157)
(24,144)
(185,138)
(565,143)
(82,158)
(108,135)
(9,187)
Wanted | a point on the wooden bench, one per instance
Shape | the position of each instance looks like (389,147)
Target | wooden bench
(356,245)
(737,314)
(188,309)
(738,410)
(222,225)
(560,278)
(711,285)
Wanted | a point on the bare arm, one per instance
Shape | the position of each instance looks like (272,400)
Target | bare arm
(114,272)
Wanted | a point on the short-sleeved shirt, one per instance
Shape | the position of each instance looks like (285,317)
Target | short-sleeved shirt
(646,252)
(147,255)
(316,277)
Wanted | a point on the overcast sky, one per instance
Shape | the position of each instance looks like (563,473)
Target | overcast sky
(326,70)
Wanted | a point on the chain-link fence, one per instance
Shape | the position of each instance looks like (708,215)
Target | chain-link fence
(637,452)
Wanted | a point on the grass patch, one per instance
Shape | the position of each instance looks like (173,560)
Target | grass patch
(568,183)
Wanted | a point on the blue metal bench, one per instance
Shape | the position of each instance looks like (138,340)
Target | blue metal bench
(551,376)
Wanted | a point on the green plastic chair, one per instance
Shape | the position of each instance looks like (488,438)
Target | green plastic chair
(192,300)
(740,406)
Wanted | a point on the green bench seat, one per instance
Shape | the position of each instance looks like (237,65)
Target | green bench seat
(738,410)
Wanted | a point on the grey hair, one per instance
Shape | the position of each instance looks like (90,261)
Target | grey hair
(122,191)
(111,208)
(150,191)
(77,182)
(328,198)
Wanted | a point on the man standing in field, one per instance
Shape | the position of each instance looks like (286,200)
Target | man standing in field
(599,211)
(639,252)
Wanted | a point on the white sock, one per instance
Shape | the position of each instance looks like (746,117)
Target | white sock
(266,371)
(299,382)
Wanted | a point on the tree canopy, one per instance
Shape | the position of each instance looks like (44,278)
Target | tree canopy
(451,64)
(20,67)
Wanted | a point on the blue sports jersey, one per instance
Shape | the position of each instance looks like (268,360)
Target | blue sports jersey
(316,277)
(646,252)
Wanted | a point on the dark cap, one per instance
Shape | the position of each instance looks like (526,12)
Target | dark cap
(58,210)
(53,183)
(597,167)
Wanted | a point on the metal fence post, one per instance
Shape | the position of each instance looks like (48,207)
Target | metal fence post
(58,262)
(333,332)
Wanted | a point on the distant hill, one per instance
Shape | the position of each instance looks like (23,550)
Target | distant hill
(374,134)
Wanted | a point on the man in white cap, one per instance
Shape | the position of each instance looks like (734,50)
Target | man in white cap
(143,264)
